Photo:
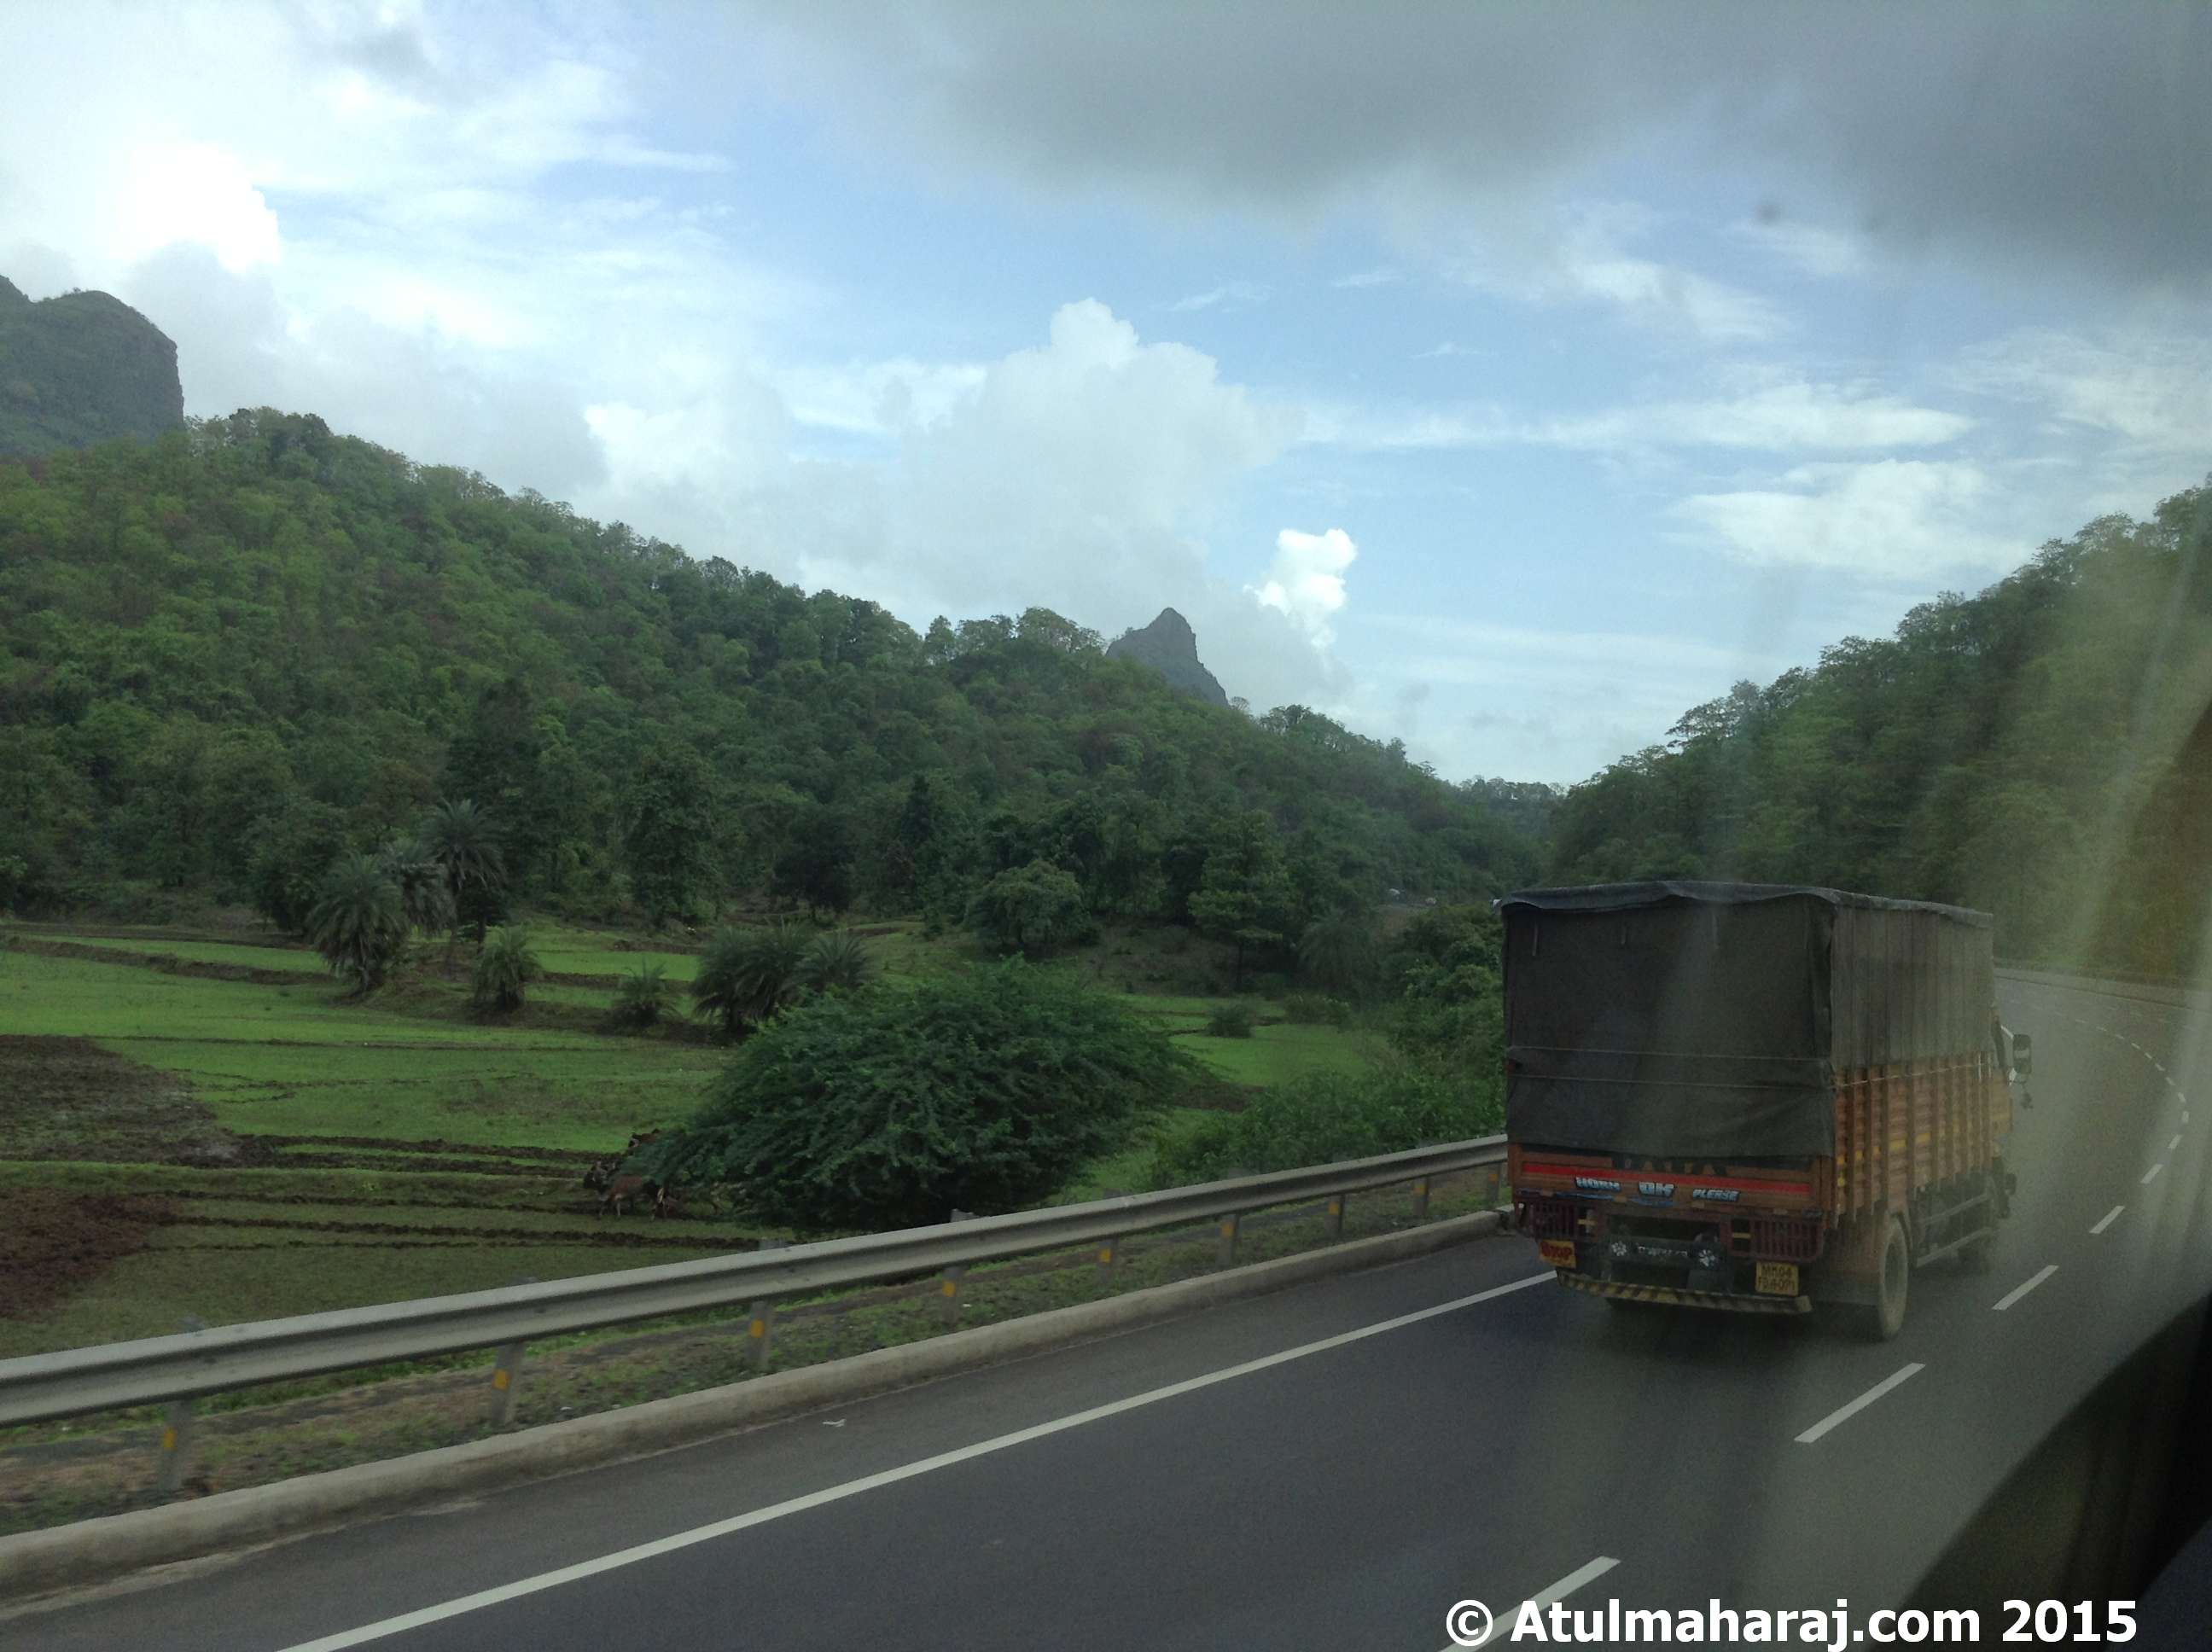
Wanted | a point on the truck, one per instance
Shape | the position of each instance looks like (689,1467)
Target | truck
(1754,1097)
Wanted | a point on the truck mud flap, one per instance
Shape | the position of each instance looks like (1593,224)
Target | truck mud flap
(1725,1301)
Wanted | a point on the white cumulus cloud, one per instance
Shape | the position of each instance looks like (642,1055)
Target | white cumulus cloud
(1306,580)
(1892,519)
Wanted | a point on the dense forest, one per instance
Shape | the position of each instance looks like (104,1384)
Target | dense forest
(232,656)
(2042,751)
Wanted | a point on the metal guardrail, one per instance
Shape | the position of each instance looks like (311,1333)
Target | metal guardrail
(174,1369)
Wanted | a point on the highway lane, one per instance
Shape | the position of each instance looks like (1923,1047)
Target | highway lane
(1345,1495)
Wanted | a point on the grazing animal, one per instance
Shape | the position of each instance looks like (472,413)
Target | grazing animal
(624,1192)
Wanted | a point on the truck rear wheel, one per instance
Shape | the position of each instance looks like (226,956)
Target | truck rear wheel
(1892,1284)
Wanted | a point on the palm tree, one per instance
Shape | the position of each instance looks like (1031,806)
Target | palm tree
(745,976)
(641,996)
(464,842)
(358,922)
(1338,952)
(505,966)
(421,881)
(835,963)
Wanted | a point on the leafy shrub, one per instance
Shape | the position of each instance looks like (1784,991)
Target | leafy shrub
(745,976)
(642,997)
(1230,1020)
(1324,1117)
(983,1091)
(1317,1010)
(505,968)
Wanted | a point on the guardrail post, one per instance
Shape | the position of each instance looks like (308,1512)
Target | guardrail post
(1496,1184)
(1334,1224)
(1421,1199)
(760,1331)
(176,1444)
(506,1374)
(176,1437)
(760,1319)
(948,1294)
(1225,1253)
(1109,1260)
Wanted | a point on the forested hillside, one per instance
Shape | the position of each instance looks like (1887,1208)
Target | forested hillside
(228,655)
(2043,751)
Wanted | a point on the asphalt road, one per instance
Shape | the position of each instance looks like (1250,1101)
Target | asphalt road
(1333,1467)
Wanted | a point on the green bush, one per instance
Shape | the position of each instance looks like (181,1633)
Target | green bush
(642,997)
(505,968)
(1317,1010)
(1230,1020)
(879,1108)
(1326,1117)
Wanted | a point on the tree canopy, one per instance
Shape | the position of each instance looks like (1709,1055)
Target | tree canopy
(2042,751)
(231,655)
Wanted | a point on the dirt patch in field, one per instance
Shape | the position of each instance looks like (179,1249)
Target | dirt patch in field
(170,963)
(54,1243)
(68,1098)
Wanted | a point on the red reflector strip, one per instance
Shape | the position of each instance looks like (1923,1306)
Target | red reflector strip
(1744,1184)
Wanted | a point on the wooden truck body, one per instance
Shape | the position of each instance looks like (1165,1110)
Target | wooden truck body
(1754,1097)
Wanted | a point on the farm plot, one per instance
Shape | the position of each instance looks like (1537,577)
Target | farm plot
(233,1149)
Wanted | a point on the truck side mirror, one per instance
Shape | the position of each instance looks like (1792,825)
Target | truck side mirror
(2023,1054)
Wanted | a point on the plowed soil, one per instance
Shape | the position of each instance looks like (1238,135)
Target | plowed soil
(67,1098)
(53,1243)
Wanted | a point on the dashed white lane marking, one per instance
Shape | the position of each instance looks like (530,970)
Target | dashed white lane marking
(1558,1591)
(492,1597)
(2014,1296)
(2111,1216)
(1844,1413)
(2152,1172)
(2175,1143)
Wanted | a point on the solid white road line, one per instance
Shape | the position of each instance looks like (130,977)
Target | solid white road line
(491,1597)
(1574,1580)
(2111,1216)
(2013,1296)
(1845,1413)
(2152,1171)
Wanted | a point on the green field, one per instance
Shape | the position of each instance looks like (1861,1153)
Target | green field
(190,1142)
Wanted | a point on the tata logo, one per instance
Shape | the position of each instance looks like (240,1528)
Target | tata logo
(1597,1185)
(1655,1189)
(1725,1195)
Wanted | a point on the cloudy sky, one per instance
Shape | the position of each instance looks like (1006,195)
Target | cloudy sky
(1506,380)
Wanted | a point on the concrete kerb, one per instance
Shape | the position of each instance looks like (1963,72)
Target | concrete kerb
(97,1551)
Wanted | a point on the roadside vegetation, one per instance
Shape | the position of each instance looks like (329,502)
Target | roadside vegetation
(213,1123)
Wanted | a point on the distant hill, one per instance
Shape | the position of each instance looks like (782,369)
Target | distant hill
(227,658)
(2042,751)
(82,368)
(1169,646)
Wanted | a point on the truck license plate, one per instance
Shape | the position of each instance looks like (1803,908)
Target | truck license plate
(1559,1253)
(1777,1278)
